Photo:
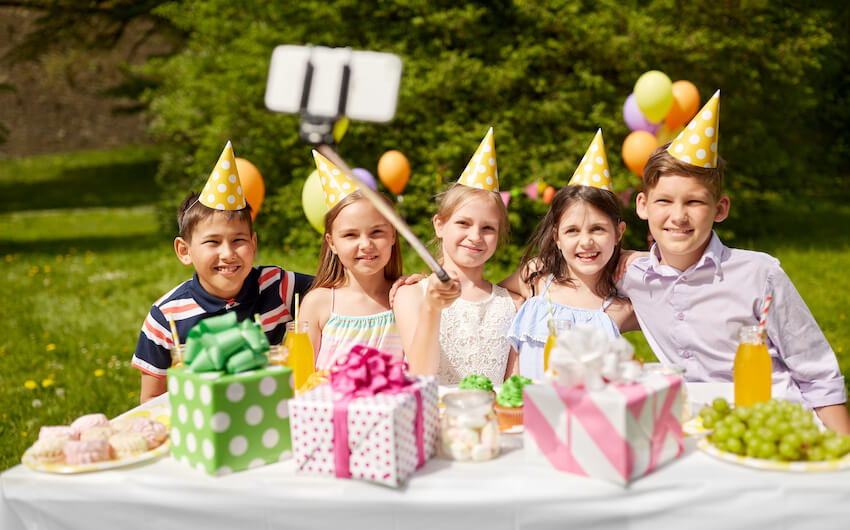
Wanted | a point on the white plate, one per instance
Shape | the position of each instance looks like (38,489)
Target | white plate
(65,469)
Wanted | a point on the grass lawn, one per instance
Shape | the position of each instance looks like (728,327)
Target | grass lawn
(83,261)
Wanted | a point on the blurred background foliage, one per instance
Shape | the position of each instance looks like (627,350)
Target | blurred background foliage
(546,75)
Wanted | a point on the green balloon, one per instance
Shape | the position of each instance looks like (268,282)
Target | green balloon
(313,201)
(654,95)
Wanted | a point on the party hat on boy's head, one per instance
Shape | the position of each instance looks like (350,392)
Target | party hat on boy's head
(481,171)
(224,190)
(335,183)
(593,168)
(697,143)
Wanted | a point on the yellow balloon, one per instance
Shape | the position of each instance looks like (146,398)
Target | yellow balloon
(654,95)
(313,202)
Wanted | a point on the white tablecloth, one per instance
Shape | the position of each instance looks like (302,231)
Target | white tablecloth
(695,491)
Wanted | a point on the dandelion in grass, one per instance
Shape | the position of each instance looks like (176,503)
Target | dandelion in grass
(50,347)
(36,403)
(99,372)
(131,394)
(30,384)
(58,257)
(47,382)
(60,392)
(23,434)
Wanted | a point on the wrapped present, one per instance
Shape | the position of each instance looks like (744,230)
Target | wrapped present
(601,416)
(228,411)
(372,422)
(618,433)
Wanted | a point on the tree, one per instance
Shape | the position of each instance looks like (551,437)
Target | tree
(545,75)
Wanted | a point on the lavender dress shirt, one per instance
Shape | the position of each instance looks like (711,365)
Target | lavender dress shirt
(691,318)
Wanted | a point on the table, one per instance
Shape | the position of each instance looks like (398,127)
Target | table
(695,491)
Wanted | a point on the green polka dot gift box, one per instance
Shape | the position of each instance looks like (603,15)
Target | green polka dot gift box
(221,423)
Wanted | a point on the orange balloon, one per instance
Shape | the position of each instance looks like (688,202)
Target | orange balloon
(253,186)
(636,150)
(394,171)
(685,104)
(548,193)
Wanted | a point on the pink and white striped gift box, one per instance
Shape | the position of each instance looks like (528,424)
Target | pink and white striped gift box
(619,433)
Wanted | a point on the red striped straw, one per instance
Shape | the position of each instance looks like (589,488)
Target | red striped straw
(763,320)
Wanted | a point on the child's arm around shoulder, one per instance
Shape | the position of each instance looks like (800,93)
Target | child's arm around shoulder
(515,284)
(622,313)
(316,309)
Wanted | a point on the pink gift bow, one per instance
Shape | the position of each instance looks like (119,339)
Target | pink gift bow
(364,372)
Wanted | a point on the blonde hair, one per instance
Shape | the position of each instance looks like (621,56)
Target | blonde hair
(662,163)
(453,198)
(331,272)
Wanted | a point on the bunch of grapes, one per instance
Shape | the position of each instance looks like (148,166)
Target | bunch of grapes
(772,430)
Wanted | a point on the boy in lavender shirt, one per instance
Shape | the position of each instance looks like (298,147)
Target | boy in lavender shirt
(692,293)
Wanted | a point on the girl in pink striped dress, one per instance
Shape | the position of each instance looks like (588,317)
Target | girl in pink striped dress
(358,263)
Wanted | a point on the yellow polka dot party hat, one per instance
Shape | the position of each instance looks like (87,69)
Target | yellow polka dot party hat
(481,171)
(697,143)
(593,168)
(224,190)
(335,183)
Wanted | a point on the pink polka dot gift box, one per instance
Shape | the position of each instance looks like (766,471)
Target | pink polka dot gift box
(371,422)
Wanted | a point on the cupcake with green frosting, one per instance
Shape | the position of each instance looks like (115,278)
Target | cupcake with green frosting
(509,402)
(476,382)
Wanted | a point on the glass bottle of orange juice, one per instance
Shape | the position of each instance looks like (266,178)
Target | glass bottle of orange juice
(300,351)
(753,368)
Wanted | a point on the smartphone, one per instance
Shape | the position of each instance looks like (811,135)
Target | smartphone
(373,82)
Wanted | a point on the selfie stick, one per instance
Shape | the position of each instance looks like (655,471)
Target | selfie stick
(318,130)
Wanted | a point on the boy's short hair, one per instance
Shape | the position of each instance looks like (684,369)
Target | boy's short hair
(662,163)
(192,212)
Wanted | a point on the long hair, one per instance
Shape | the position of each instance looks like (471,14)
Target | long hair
(544,252)
(331,272)
(455,197)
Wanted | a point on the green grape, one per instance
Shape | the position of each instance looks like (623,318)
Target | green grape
(772,421)
(793,439)
(721,434)
(788,451)
(767,434)
(710,419)
(829,433)
(756,419)
(810,436)
(832,448)
(720,405)
(743,413)
(844,445)
(783,428)
(767,450)
(705,412)
(737,429)
(734,445)
(816,453)
(749,437)
(752,450)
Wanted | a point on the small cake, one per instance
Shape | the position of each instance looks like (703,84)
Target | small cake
(153,431)
(509,402)
(86,451)
(476,382)
(88,421)
(58,431)
(47,450)
(124,423)
(127,444)
(97,433)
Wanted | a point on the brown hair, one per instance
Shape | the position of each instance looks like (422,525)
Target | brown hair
(192,212)
(455,197)
(543,250)
(331,272)
(662,163)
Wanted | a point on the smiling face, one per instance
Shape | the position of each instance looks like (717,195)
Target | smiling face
(681,211)
(361,238)
(222,249)
(470,235)
(587,238)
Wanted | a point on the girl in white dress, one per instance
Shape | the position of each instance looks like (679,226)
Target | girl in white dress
(460,328)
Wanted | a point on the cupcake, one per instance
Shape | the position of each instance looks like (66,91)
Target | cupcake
(509,402)
(476,382)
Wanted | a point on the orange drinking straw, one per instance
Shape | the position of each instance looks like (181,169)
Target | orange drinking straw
(763,321)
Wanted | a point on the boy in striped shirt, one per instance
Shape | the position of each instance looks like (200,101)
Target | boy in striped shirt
(221,245)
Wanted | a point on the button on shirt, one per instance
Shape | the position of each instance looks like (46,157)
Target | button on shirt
(691,318)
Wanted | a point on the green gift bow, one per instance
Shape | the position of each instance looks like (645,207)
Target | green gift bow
(220,343)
